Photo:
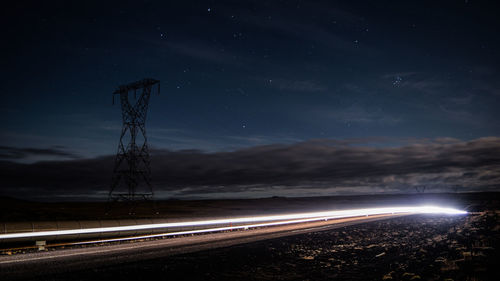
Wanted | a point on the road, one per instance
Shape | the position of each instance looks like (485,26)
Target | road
(31,265)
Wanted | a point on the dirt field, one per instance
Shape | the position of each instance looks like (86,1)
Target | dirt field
(19,210)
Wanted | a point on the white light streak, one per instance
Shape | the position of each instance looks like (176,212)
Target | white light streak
(248,221)
(217,229)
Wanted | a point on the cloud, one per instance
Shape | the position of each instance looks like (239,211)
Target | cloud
(400,74)
(22,153)
(362,114)
(202,51)
(296,24)
(305,31)
(442,164)
(297,85)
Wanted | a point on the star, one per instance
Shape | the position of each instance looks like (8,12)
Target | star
(397,81)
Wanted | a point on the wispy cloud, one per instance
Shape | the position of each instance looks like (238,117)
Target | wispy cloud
(184,139)
(205,52)
(361,114)
(309,32)
(297,85)
(27,153)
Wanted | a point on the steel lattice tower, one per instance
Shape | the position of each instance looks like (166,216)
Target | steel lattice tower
(131,179)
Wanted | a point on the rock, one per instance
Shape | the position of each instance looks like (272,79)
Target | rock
(408,275)
(449,266)
(467,255)
(440,260)
(388,276)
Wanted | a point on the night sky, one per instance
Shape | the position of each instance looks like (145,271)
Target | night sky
(258,98)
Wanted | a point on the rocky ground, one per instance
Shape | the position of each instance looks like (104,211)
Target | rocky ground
(406,248)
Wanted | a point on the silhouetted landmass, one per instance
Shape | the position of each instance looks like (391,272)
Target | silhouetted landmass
(22,210)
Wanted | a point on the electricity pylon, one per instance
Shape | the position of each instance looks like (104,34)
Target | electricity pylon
(131,179)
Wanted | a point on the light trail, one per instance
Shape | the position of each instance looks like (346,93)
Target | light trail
(217,229)
(278,219)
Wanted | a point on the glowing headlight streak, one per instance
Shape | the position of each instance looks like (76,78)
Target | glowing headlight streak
(337,214)
(206,230)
